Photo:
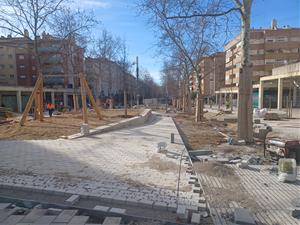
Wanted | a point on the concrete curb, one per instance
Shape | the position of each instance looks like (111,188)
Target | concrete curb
(134,121)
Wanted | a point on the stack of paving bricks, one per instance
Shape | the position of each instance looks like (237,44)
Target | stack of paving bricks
(12,215)
(198,210)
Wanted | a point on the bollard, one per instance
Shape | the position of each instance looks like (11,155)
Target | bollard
(172,137)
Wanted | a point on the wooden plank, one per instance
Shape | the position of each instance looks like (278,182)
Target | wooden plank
(89,92)
(83,100)
(41,104)
(30,101)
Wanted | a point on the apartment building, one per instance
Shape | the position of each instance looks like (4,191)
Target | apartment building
(60,58)
(107,78)
(269,48)
(212,73)
(15,61)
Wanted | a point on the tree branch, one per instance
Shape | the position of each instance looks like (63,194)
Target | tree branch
(203,14)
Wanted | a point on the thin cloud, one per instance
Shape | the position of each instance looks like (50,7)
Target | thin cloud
(91,4)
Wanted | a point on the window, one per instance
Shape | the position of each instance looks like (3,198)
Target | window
(2,66)
(11,66)
(22,76)
(282,39)
(269,61)
(22,66)
(21,57)
(9,56)
(12,76)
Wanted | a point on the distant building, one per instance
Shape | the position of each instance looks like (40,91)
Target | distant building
(15,61)
(107,79)
(60,59)
(212,73)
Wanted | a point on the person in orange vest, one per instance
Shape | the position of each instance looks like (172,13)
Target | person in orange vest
(50,108)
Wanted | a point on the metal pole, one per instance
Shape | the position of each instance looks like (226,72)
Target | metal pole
(137,81)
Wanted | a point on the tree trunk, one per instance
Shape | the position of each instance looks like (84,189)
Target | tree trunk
(199,102)
(245,123)
(125,103)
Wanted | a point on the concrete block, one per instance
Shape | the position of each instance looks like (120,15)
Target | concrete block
(117,210)
(73,199)
(112,221)
(195,218)
(181,211)
(65,216)
(202,200)
(202,206)
(78,220)
(101,208)
(296,213)
(196,189)
(201,152)
(243,216)
(54,211)
(146,203)
(84,129)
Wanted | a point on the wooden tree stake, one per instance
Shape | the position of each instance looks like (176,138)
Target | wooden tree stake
(30,100)
(83,99)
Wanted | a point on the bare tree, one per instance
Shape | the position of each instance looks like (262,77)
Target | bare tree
(125,69)
(107,50)
(177,10)
(73,29)
(20,16)
(192,38)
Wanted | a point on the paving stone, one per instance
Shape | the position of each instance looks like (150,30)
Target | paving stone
(12,220)
(4,205)
(243,216)
(79,220)
(4,213)
(73,199)
(101,208)
(65,216)
(45,220)
(54,211)
(117,210)
(160,205)
(195,218)
(145,203)
(181,211)
(33,215)
(112,221)
(202,200)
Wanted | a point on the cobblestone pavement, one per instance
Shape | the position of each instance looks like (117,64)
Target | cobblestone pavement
(121,166)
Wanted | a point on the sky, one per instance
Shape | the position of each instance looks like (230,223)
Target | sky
(120,17)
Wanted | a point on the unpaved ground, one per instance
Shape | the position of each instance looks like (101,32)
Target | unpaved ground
(203,134)
(230,192)
(60,125)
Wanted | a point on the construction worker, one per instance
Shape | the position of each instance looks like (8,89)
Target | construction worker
(50,107)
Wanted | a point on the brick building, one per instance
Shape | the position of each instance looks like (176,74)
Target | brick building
(269,48)
(213,73)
